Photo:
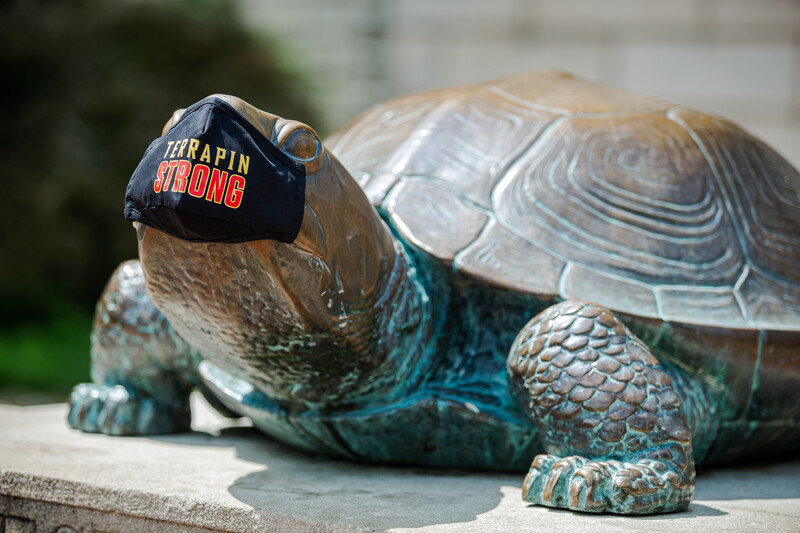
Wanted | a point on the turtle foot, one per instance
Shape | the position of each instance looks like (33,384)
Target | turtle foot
(645,486)
(606,412)
(115,410)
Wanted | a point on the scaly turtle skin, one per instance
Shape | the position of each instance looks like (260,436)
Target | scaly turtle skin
(397,333)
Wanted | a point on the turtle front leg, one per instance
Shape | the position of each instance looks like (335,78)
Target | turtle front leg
(142,371)
(607,413)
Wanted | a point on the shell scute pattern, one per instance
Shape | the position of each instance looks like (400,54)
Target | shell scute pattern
(550,185)
(626,224)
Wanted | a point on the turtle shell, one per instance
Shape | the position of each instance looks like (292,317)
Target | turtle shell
(547,184)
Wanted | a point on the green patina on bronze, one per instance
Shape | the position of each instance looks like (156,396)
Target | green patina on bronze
(654,246)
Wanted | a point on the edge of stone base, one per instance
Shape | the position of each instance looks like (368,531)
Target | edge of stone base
(31,503)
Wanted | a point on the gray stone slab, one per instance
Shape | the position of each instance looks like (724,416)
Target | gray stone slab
(225,476)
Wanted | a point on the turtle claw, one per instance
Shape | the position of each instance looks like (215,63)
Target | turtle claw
(114,410)
(557,482)
(647,486)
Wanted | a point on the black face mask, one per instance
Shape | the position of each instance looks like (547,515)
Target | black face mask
(213,177)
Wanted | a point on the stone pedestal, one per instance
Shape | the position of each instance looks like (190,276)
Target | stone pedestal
(225,476)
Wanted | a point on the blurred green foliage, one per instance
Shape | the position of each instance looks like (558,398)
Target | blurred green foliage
(51,354)
(88,84)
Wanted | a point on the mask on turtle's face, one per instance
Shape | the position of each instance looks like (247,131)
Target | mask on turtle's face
(264,286)
(215,176)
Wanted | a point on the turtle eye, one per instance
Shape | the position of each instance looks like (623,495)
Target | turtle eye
(302,144)
(297,140)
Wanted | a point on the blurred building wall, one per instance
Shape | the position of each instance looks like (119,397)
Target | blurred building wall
(736,58)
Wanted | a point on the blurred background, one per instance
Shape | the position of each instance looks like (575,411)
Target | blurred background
(89,83)
(736,58)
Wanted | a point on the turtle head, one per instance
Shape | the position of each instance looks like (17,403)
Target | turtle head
(332,210)
(295,277)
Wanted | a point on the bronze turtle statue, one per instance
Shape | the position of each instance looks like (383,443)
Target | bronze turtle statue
(655,246)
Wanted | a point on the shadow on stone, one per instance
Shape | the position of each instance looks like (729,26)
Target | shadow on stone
(756,481)
(694,511)
(317,489)
(320,489)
